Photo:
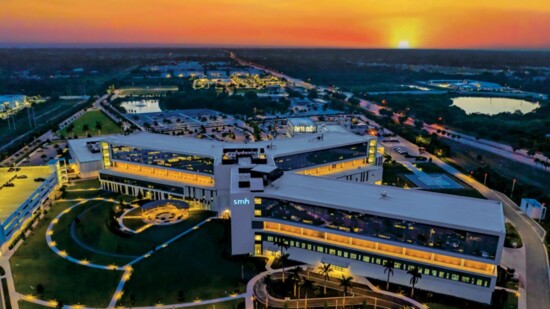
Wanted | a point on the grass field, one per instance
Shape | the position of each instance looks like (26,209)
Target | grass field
(190,268)
(90,118)
(35,263)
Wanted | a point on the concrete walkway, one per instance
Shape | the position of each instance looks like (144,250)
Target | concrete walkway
(372,295)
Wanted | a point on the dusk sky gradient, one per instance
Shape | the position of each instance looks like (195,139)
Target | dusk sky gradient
(308,23)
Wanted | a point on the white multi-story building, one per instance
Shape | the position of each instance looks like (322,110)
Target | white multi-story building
(317,194)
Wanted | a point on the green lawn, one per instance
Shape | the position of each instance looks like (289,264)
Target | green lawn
(90,118)
(84,184)
(34,262)
(193,267)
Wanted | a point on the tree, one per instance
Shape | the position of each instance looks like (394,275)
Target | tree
(98,126)
(86,128)
(325,270)
(283,258)
(282,244)
(307,284)
(346,282)
(415,276)
(295,277)
(70,128)
(40,289)
(388,268)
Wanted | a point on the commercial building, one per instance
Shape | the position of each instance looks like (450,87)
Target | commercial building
(163,166)
(316,193)
(456,242)
(86,154)
(24,192)
(300,125)
(11,102)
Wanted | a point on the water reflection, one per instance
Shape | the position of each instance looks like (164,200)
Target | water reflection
(141,106)
(493,106)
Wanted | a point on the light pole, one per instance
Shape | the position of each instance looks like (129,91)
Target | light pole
(485,179)
(513,186)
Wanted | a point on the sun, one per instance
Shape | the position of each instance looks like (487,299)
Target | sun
(403,44)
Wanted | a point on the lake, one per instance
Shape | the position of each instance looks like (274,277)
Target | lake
(141,106)
(493,106)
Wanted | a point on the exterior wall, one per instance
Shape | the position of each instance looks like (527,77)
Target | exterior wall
(204,197)
(40,197)
(89,169)
(429,283)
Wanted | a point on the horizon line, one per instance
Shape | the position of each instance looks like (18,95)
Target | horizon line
(57,45)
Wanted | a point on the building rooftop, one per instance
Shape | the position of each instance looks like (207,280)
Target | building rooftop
(13,197)
(81,150)
(301,122)
(419,206)
(327,137)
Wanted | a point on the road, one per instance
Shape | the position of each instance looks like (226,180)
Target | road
(537,283)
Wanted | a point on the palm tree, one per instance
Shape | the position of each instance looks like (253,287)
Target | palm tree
(70,129)
(345,282)
(282,244)
(86,128)
(295,276)
(98,126)
(307,285)
(283,258)
(388,267)
(325,270)
(415,276)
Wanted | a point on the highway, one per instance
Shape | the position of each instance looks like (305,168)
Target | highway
(536,278)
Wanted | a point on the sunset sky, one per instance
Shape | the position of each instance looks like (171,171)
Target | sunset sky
(311,23)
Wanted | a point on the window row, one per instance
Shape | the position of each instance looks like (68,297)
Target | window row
(378,260)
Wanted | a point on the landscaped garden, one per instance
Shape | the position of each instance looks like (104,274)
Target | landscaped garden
(198,265)
(92,123)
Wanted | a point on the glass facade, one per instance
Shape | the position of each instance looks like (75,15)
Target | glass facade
(317,157)
(426,270)
(141,183)
(418,234)
(159,158)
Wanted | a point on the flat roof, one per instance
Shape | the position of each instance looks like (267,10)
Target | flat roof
(329,136)
(13,197)
(413,205)
(301,121)
(80,149)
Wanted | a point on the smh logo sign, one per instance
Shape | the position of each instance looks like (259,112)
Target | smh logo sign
(243,201)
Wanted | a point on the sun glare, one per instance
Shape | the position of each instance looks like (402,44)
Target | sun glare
(403,44)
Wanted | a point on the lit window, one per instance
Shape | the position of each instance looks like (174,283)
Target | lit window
(258,201)
(454,277)
(257,212)
(258,237)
